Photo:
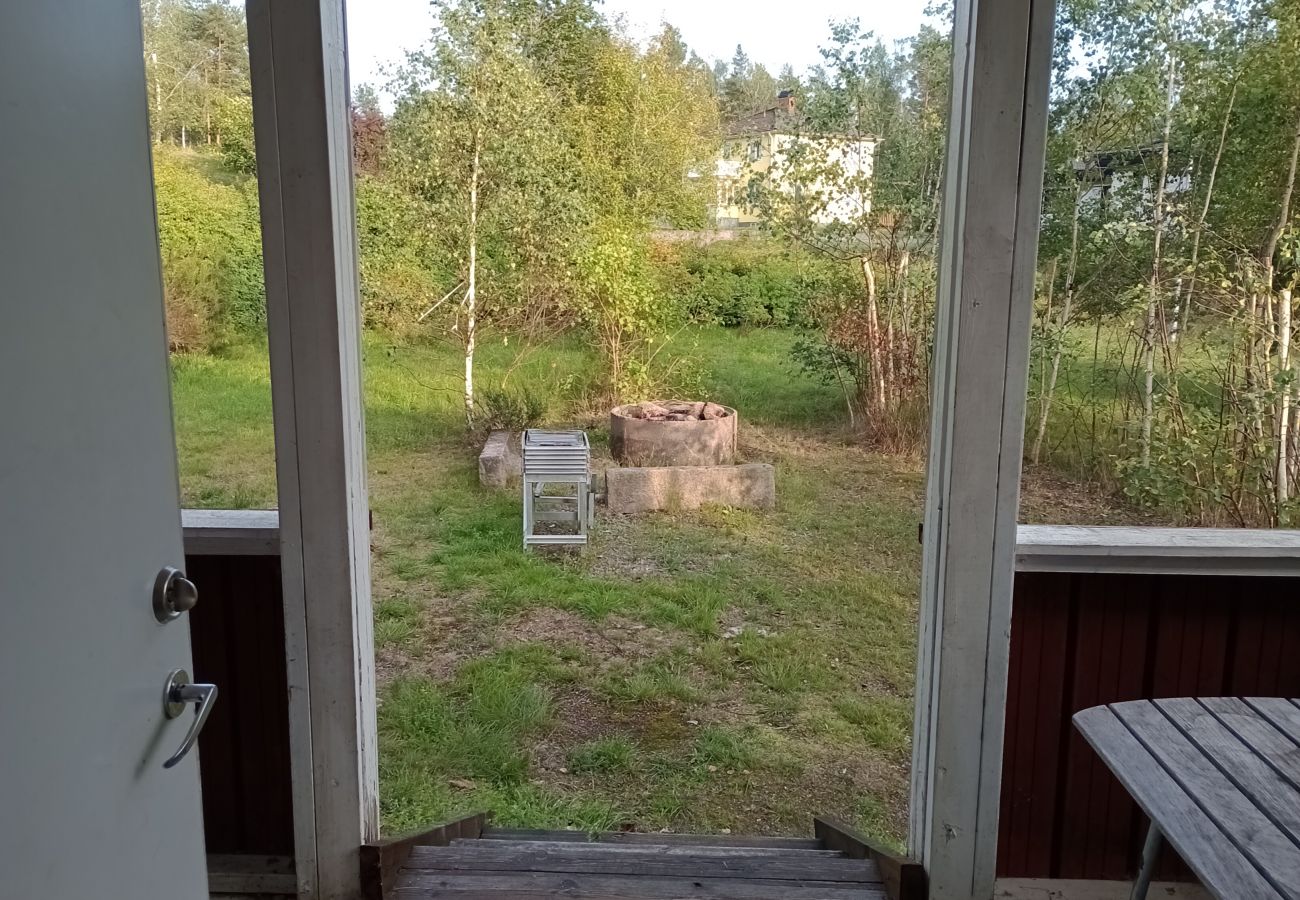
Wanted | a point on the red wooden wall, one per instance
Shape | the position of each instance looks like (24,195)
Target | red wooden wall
(237,637)
(1079,640)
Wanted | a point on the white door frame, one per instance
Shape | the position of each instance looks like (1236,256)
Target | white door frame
(301,117)
(991,205)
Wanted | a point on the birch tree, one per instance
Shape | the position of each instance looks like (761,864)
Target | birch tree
(475,138)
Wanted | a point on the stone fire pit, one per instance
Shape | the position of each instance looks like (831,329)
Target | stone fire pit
(673,433)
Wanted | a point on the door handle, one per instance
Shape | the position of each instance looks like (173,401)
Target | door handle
(179,693)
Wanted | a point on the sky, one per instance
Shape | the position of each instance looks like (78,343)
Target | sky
(379,31)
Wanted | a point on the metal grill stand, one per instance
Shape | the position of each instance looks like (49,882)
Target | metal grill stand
(556,457)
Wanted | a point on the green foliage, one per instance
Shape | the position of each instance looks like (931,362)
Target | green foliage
(196,59)
(513,410)
(401,275)
(211,250)
(235,121)
(754,283)
(619,301)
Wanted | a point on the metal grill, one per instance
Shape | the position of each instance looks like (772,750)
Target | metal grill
(557,458)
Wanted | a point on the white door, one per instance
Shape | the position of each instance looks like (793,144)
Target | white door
(88,482)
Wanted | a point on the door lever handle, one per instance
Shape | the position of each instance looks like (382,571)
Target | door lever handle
(179,693)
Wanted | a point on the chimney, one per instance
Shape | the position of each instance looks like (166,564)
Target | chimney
(785,101)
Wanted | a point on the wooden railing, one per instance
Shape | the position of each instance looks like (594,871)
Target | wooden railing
(1108,614)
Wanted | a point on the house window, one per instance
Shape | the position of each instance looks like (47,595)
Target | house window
(755,150)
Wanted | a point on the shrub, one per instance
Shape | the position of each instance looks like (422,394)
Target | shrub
(400,278)
(211,245)
(752,283)
(511,410)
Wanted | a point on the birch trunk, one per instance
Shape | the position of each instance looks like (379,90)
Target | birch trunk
(471,289)
(1281,332)
(1044,389)
(157,101)
(1153,299)
(1282,484)
(1067,309)
(877,374)
(1185,313)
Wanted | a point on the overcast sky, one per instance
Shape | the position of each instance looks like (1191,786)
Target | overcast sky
(379,31)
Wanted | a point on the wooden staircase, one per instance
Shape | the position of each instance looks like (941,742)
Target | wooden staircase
(467,859)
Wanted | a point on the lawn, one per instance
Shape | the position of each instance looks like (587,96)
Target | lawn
(721,670)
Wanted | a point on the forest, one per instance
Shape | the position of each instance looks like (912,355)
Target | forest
(517,189)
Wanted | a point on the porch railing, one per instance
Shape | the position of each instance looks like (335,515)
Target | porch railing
(1100,614)
(1105,614)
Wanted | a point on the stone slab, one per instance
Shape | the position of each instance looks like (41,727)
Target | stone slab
(500,465)
(633,489)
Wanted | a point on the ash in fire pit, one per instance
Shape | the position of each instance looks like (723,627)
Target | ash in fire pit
(673,433)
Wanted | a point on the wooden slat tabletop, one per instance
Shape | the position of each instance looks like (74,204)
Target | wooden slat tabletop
(1221,779)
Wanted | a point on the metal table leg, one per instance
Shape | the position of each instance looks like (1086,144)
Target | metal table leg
(1150,851)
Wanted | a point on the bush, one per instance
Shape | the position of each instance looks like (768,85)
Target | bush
(211,246)
(753,283)
(399,278)
(511,410)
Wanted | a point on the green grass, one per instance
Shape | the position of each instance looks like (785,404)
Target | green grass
(606,756)
(694,671)
(1095,409)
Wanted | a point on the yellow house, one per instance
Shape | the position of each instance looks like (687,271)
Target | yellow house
(758,155)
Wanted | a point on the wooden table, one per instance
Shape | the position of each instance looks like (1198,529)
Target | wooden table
(1219,779)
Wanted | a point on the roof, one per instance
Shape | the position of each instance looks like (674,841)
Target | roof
(781,117)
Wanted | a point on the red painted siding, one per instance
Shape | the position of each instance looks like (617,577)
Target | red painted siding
(1079,640)
(237,636)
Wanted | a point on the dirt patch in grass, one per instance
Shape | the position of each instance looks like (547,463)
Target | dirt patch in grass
(1049,498)
(609,642)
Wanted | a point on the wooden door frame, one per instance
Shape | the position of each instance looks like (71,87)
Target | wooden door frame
(302,126)
(1002,54)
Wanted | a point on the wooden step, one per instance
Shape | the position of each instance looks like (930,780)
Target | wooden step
(466,860)
(519,869)
(548,886)
(631,848)
(654,837)
(644,859)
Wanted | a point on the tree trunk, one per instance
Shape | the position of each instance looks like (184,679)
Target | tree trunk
(1153,299)
(1282,483)
(1185,313)
(1047,383)
(1280,330)
(1284,213)
(877,374)
(157,100)
(1067,309)
(471,289)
